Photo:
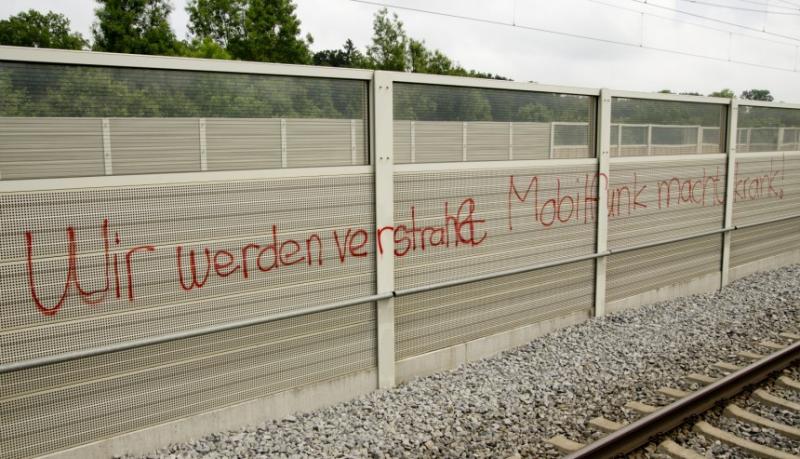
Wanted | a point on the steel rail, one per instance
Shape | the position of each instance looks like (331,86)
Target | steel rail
(133,344)
(667,418)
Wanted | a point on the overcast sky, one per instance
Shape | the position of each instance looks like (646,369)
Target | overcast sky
(528,55)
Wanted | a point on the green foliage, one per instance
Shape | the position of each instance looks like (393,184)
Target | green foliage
(348,56)
(389,48)
(204,48)
(61,90)
(32,28)
(451,103)
(254,30)
(757,94)
(134,26)
(724,93)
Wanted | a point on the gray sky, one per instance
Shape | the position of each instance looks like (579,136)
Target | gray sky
(527,55)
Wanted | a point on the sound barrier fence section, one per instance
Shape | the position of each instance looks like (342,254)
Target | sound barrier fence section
(767,184)
(653,198)
(80,121)
(97,265)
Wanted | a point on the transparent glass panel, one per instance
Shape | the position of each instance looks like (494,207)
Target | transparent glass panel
(659,127)
(767,129)
(447,124)
(85,120)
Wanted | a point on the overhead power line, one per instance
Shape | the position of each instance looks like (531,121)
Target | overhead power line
(569,34)
(695,24)
(720,21)
(796,5)
(739,8)
(767,5)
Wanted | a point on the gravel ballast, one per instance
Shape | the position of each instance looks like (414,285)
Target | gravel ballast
(510,404)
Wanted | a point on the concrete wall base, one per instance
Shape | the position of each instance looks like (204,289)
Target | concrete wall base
(777,261)
(451,357)
(250,413)
(703,284)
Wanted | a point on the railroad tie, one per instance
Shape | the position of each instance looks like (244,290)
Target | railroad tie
(790,336)
(699,378)
(747,355)
(789,383)
(605,425)
(674,450)
(641,408)
(733,411)
(671,392)
(564,444)
(725,366)
(772,345)
(765,397)
(747,445)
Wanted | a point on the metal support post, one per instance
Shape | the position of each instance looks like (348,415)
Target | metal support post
(382,154)
(730,183)
(603,157)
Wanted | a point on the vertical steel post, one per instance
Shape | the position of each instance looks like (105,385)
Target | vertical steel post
(649,140)
(603,151)
(730,183)
(552,140)
(382,156)
(107,160)
(781,133)
(201,125)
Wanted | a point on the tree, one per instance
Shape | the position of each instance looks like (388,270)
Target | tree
(32,28)
(724,93)
(204,48)
(389,43)
(134,26)
(757,94)
(348,56)
(256,30)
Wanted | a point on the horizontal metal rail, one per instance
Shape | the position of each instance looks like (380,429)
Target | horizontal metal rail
(665,419)
(127,345)
(133,344)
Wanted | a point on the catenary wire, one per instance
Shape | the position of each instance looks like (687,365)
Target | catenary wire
(572,35)
(734,24)
(702,26)
(739,8)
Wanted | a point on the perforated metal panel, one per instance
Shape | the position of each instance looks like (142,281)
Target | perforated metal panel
(50,147)
(644,270)
(764,241)
(234,221)
(449,123)
(154,145)
(443,141)
(55,407)
(520,217)
(657,200)
(647,127)
(767,187)
(438,319)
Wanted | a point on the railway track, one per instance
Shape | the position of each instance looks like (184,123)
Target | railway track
(623,438)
